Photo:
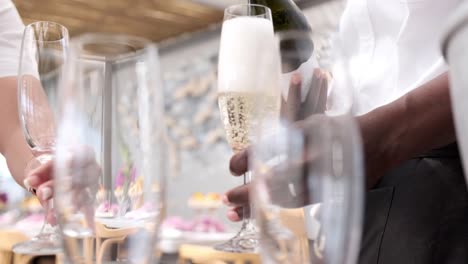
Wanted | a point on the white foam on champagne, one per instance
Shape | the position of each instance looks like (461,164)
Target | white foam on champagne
(247,56)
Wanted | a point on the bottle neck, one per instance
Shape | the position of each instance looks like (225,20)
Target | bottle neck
(286,15)
(273,2)
(276,5)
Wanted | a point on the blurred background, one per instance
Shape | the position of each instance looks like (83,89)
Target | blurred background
(187,32)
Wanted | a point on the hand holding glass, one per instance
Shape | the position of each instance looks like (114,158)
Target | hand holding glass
(243,79)
(43,53)
(110,166)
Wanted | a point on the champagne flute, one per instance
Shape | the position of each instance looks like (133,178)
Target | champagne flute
(308,189)
(245,77)
(110,147)
(43,52)
(308,193)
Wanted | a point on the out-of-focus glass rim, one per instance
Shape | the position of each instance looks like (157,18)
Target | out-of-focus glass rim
(228,11)
(134,45)
(64,35)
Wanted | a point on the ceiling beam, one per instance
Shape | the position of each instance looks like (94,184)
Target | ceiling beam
(153,19)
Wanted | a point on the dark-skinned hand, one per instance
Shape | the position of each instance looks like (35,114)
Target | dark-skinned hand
(293,109)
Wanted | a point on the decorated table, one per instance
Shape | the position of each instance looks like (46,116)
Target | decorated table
(182,240)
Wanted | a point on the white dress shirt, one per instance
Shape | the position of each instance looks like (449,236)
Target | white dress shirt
(394,46)
(11,32)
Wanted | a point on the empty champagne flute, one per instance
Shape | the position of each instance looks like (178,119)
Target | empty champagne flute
(308,192)
(43,53)
(309,183)
(244,78)
(110,166)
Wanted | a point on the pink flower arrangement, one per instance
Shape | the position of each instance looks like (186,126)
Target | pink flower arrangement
(108,207)
(125,175)
(4,198)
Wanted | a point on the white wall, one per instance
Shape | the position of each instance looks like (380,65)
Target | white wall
(181,51)
(204,169)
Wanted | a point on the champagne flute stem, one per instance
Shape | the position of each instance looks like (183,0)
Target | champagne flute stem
(45,230)
(246,222)
(44,158)
(46,213)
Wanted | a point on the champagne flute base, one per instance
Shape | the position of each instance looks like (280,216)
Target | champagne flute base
(246,241)
(42,244)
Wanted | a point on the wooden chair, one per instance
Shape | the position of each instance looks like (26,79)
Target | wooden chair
(207,255)
(292,219)
(8,239)
(107,237)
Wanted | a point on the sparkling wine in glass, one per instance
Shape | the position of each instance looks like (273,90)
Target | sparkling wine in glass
(246,79)
(43,53)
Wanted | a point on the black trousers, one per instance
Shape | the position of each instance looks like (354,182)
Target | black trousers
(418,213)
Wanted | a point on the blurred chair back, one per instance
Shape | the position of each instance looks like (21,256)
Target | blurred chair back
(206,255)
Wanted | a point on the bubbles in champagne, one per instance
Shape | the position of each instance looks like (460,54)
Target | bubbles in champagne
(248,77)
(241,115)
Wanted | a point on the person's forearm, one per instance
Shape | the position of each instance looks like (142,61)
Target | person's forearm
(419,121)
(12,143)
(17,155)
(429,118)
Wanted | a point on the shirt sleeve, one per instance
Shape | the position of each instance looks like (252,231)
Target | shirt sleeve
(11,32)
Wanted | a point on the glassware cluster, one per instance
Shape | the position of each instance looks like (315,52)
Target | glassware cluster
(95,107)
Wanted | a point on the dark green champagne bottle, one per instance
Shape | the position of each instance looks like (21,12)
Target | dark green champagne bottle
(288,17)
